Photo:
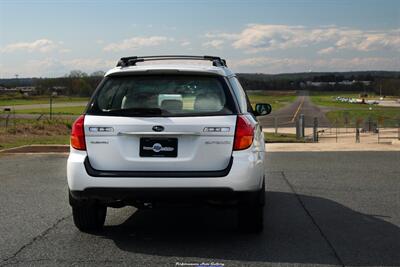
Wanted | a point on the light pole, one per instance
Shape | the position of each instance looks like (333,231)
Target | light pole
(51,103)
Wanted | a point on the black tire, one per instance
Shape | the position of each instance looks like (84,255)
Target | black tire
(89,218)
(251,211)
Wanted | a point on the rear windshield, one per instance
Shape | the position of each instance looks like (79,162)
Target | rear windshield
(162,95)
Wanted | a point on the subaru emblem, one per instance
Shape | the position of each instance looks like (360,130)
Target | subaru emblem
(158,128)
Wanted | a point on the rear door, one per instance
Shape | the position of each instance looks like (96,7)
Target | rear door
(161,123)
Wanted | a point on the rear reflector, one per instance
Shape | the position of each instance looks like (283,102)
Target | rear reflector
(78,134)
(244,133)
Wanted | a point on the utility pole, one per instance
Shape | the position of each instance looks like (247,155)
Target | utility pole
(51,103)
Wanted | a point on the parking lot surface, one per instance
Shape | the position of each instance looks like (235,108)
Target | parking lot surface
(323,208)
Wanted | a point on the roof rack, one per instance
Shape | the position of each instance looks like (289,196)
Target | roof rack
(131,61)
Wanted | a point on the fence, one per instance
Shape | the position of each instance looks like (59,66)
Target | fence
(387,130)
(319,129)
(12,123)
(8,119)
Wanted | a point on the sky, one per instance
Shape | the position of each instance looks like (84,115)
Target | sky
(51,38)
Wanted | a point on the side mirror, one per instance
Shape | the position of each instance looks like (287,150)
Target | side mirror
(262,109)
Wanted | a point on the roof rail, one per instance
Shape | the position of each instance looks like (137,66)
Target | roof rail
(131,61)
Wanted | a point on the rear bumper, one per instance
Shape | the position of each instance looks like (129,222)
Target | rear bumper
(246,173)
(155,174)
(154,194)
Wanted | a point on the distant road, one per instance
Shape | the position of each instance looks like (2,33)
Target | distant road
(389,103)
(288,115)
(47,105)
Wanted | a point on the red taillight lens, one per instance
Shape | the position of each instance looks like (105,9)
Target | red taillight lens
(78,134)
(244,133)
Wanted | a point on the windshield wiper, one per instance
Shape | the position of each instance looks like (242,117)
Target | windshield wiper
(137,111)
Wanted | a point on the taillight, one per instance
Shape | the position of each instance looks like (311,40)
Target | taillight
(78,134)
(244,133)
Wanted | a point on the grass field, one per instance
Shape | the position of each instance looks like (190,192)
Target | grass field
(326,99)
(388,117)
(277,99)
(25,132)
(281,138)
(354,112)
(9,101)
(56,111)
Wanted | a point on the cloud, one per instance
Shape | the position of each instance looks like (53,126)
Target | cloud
(185,43)
(268,64)
(327,50)
(40,45)
(217,44)
(359,63)
(268,37)
(223,35)
(89,64)
(52,67)
(285,65)
(369,41)
(137,42)
(256,38)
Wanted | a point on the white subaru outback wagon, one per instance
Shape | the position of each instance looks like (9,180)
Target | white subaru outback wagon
(161,133)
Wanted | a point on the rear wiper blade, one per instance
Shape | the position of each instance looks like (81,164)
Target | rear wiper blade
(137,111)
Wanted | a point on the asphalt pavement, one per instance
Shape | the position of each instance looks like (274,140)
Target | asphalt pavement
(288,115)
(323,208)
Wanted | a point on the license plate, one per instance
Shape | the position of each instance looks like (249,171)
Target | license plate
(158,147)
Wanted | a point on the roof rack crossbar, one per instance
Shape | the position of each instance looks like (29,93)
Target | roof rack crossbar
(131,61)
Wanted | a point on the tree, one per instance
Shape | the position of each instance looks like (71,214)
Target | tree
(77,74)
(81,87)
(98,73)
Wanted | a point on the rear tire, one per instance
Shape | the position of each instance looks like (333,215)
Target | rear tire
(89,217)
(251,211)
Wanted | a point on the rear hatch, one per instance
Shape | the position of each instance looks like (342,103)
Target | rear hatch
(161,123)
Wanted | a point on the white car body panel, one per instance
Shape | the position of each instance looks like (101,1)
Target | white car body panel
(117,149)
(246,174)
(197,150)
